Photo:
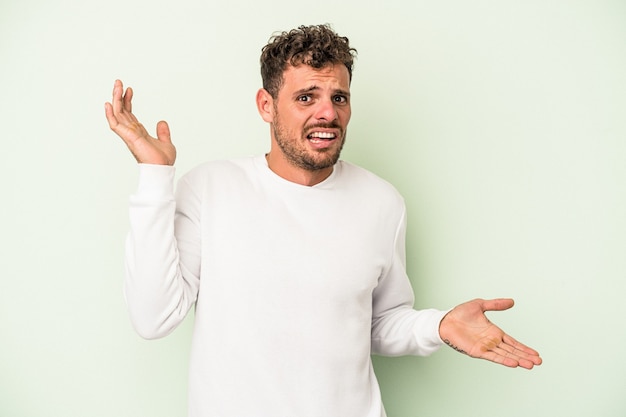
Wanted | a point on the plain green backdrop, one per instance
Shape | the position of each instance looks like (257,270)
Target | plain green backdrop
(501,122)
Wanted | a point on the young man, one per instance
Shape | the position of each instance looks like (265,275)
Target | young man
(294,260)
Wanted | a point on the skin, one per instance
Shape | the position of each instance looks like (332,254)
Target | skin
(467,330)
(310,102)
(318,101)
(145,148)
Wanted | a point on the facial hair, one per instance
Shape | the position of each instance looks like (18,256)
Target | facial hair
(298,154)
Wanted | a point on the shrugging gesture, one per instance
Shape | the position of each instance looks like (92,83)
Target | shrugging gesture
(122,121)
(467,330)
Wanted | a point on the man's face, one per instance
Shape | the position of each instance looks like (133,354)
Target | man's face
(310,116)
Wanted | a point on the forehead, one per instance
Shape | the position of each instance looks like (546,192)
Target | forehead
(332,76)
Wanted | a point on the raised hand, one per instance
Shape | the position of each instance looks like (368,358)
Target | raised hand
(467,330)
(145,148)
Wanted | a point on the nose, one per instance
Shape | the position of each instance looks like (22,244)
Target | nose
(326,110)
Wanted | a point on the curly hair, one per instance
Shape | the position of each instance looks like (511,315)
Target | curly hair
(316,46)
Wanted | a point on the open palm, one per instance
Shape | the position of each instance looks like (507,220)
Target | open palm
(145,148)
(466,329)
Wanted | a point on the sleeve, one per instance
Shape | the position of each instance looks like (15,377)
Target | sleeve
(397,328)
(161,285)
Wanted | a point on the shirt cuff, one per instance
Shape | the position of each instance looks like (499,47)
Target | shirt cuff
(429,329)
(156,182)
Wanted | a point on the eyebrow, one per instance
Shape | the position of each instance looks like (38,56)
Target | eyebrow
(315,87)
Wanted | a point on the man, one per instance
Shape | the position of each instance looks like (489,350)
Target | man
(294,260)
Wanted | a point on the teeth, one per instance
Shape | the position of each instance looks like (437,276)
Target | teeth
(322,135)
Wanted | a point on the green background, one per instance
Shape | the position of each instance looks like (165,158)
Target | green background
(501,122)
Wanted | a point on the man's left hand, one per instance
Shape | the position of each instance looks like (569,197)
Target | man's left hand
(467,330)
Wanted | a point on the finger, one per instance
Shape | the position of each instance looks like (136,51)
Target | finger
(117,103)
(526,357)
(128,100)
(511,360)
(498,304)
(111,119)
(163,132)
(122,104)
(519,346)
(500,359)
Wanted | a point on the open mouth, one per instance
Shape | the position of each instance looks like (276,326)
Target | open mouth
(317,137)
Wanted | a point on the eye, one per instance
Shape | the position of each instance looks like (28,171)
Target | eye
(340,99)
(305,98)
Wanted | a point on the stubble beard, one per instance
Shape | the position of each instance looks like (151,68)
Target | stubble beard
(301,157)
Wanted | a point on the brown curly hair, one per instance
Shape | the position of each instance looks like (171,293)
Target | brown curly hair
(316,46)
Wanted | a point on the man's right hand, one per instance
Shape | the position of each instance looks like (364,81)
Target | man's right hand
(145,148)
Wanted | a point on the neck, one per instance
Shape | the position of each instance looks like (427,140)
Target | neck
(288,171)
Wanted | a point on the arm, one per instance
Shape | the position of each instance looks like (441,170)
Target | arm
(162,252)
(397,328)
(161,267)
(467,330)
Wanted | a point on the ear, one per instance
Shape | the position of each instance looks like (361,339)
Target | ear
(265,105)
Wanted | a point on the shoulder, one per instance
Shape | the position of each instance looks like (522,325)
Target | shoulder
(366,181)
(221,170)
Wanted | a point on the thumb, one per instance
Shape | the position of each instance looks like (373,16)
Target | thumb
(497,304)
(163,132)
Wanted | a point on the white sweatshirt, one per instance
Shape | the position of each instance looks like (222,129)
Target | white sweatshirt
(294,287)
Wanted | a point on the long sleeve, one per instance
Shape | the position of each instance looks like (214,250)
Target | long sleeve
(262,260)
(159,288)
(398,329)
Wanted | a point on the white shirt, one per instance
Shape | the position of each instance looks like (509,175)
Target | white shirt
(294,286)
